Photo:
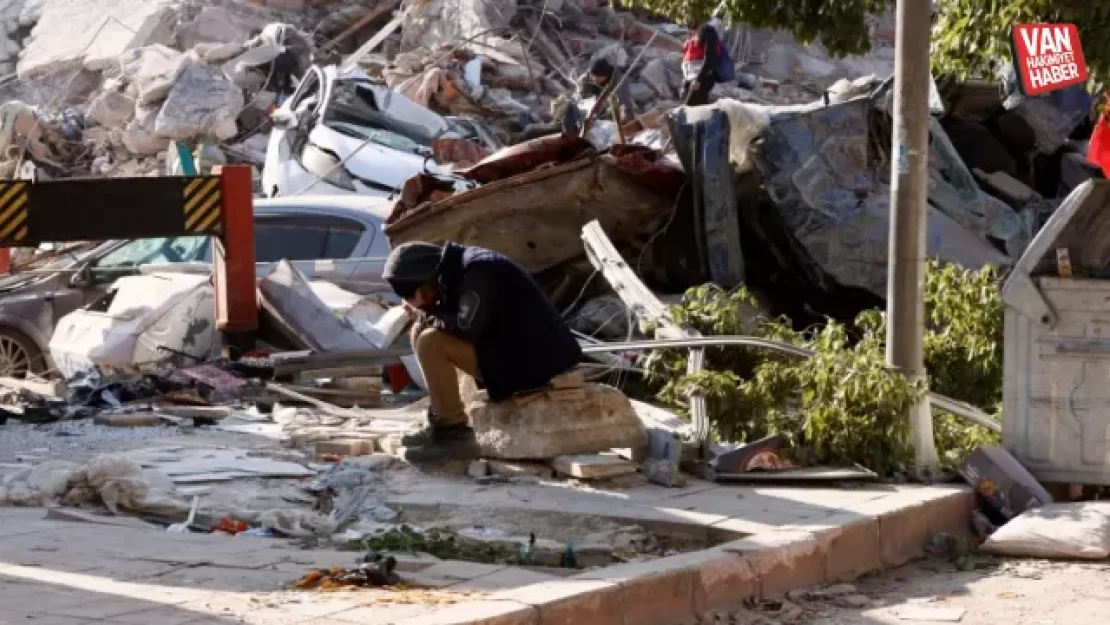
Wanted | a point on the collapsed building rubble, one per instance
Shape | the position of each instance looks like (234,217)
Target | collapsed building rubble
(777,186)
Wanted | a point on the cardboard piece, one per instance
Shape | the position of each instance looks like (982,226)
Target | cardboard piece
(1002,482)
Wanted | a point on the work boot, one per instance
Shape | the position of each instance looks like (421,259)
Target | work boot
(442,444)
(423,436)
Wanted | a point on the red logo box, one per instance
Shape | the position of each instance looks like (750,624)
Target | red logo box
(1048,57)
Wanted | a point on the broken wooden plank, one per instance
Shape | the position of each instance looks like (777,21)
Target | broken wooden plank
(387,30)
(128,420)
(593,466)
(212,413)
(342,397)
(801,474)
(361,23)
(346,447)
(81,516)
(301,397)
(647,307)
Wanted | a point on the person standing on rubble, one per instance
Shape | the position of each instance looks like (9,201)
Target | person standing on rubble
(603,79)
(481,313)
(702,56)
(592,84)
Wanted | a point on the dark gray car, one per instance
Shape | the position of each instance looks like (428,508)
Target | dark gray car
(338,239)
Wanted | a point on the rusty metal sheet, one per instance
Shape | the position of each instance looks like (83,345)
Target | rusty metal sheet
(528,155)
(649,168)
(535,218)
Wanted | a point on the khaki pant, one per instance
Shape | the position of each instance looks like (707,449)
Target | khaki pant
(441,356)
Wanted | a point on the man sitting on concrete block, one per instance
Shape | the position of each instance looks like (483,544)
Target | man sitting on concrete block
(481,313)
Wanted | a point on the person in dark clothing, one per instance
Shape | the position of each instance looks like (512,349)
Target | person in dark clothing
(483,314)
(592,84)
(700,55)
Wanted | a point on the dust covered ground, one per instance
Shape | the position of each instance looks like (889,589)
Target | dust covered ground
(992,592)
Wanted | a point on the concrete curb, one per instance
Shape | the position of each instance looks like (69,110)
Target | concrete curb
(881,534)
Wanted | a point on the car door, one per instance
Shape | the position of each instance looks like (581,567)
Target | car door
(367,271)
(317,244)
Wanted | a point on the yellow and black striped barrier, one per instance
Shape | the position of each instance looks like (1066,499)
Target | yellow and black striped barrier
(202,203)
(14,202)
(85,209)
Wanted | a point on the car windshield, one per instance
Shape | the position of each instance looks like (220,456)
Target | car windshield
(354,111)
(153,251)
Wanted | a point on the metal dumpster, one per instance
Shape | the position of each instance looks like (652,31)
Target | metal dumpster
(1057,344)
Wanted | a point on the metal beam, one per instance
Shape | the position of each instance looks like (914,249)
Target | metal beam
(108,208)
(233,260)
(963,410)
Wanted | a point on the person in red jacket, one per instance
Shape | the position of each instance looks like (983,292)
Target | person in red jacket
(1098,149)
(700,55)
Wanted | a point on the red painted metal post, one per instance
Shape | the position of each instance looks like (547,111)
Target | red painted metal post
(233,261)
(5,260)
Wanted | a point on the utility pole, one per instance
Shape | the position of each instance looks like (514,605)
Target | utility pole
(908,190)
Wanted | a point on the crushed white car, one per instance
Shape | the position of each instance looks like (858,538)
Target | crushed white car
(343,133)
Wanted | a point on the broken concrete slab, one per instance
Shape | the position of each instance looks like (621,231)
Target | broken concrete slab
(71,34)
(192,465)
(615,53)
(203,102)
(584,420)
(440,20)
(593,466)
(112,109)
(138,137)
(153,70)
(214,24)
(288,299)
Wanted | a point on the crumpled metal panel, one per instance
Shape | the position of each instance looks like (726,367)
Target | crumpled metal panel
(535,218)
(954,191)
(528,155)
(702,145)
(827,182)
(1081,225)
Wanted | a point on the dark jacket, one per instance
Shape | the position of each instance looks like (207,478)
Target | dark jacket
(490,301)
(622,96)
(706,48)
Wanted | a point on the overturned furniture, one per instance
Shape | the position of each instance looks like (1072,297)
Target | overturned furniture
(1057,349)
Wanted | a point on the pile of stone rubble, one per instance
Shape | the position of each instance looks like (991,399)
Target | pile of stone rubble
(114,83)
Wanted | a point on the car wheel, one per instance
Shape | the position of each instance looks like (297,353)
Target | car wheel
(19,355)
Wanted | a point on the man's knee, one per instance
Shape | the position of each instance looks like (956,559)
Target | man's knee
(424,340)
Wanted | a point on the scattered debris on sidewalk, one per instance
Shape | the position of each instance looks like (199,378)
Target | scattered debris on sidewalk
(781,185)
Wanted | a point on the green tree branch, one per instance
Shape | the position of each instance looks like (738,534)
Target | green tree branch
(970,38)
